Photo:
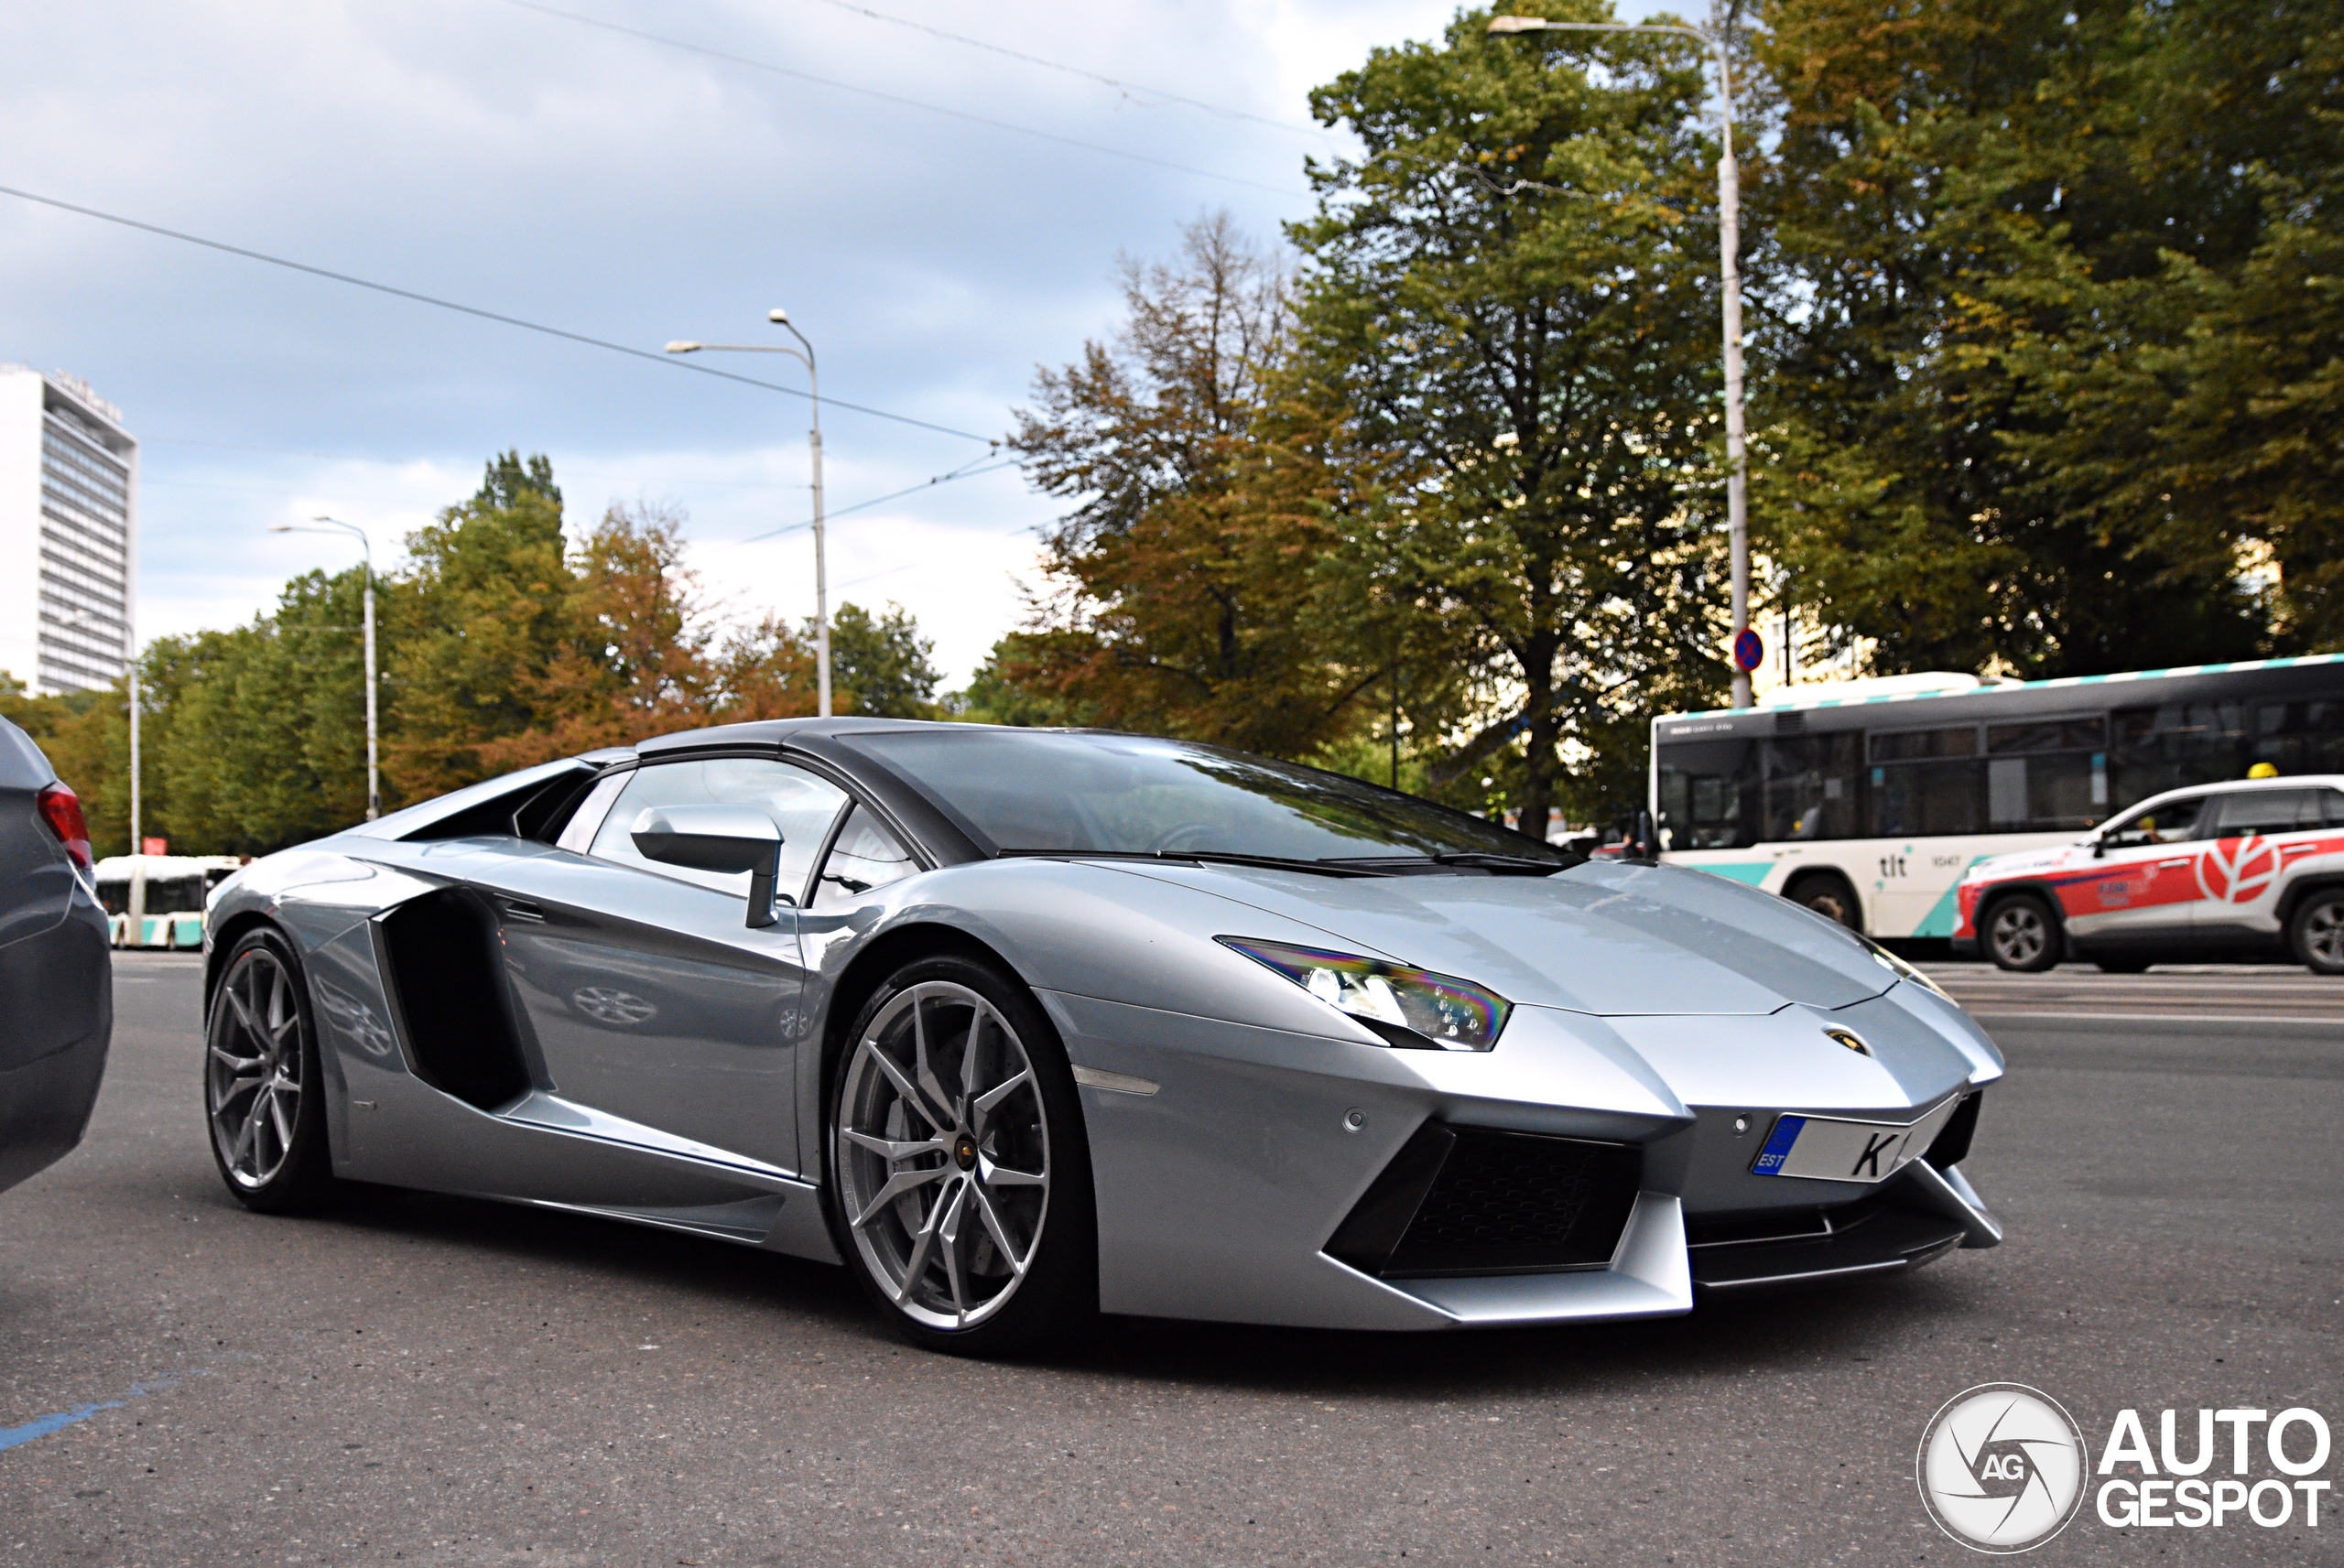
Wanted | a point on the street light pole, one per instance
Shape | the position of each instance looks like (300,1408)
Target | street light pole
(804,355)
(366,546)
(1737,482)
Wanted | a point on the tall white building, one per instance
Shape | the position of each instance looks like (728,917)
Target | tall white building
(68,531)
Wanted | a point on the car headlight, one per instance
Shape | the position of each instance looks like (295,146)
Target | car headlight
(1900,969)
(1411,1007)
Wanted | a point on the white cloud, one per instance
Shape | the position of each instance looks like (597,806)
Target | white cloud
(524,164)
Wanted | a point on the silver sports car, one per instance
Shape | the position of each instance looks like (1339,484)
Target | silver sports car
(1021,1025)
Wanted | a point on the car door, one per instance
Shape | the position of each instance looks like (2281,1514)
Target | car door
(2143,885)
(649,996)
(2253,835)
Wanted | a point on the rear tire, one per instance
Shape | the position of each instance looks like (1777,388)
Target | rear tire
(1832,898)
(953,1135)
(264,1096)
(2021,934)
(2317,932)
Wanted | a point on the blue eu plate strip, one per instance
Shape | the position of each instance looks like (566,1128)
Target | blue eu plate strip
(1778,1145)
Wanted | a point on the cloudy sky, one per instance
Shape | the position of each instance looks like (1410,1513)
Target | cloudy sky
(937,217)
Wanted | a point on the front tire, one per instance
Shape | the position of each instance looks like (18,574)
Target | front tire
(264,1096)
(1832,898)
(2021,934)
(2317,932)
(959,1183)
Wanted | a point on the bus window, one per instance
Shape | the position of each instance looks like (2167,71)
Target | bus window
(2301,737)
(1926,782)
(1708,794)
(2047,774)
(2180,744)
(1811,787)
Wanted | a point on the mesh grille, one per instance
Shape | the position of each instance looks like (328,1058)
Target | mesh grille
(1478,1201)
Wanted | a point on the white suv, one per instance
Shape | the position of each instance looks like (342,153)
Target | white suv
(2211,872)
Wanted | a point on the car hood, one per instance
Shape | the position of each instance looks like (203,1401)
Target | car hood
(1611,939)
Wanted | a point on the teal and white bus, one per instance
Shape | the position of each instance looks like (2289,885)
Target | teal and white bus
(1866,800)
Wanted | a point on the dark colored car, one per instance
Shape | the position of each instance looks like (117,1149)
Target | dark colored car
(56,973)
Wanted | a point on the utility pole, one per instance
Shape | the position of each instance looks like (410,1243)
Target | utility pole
(1737,481)
(323,524)
(804,354)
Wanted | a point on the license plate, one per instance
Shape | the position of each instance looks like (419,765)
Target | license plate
(1828,1148)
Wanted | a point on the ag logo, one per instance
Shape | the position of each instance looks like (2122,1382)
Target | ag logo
(2237,870)
(2002,1467)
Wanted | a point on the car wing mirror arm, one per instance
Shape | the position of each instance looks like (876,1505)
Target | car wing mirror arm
(763,911)
(725,839)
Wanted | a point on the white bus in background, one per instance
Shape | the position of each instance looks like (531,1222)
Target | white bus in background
(1866,800)
(157,900)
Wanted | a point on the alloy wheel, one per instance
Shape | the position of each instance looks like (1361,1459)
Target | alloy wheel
(2019,933)
(2324,934)
(943,1155)
(253,1073)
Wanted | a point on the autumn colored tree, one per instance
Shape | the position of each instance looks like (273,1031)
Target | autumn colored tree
(1183,592)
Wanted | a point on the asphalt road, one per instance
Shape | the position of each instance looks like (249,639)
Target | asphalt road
(427,1381)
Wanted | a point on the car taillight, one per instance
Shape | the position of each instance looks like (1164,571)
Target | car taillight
(61,809)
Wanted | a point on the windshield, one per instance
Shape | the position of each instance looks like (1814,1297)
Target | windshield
(1054,792)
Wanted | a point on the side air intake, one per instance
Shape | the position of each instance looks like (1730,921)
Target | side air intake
(1467,1200)
(454,1012)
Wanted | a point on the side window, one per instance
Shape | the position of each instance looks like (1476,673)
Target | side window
(2168,824)
(866,855)
(801,806)
(578,835)
(2265,811)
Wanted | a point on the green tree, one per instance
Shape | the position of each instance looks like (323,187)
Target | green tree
(486,608)
(1968,212)
(880,665)
(1513,291)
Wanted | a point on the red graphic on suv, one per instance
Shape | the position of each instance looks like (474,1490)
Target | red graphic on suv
(2237,870)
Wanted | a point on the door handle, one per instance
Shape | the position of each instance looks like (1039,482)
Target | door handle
(521,909)
(2183,861)
(2297,849)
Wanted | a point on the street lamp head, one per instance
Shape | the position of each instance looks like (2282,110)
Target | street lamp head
(1503,25)
(777,316)
(683,346)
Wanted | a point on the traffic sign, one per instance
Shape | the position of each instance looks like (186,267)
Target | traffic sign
(1749,649)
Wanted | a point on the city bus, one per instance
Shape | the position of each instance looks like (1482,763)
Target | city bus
(1867,800)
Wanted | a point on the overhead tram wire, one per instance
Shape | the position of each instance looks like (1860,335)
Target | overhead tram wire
(966,470)
(1128,88)
(484,315)
(767,66)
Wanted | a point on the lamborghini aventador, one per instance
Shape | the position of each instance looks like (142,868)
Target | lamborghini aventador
(1022,1025)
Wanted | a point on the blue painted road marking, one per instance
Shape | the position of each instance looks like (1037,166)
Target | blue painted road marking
(11,1436)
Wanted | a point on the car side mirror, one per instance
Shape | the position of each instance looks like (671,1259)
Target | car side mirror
(2098,847)
(728,838)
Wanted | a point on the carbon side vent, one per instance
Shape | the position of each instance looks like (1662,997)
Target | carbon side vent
(453,1009)
(1466,1200)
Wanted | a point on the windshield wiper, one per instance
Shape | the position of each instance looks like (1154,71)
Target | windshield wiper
(1469,860)
(1211,858)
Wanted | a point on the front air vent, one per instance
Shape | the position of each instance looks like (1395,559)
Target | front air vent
(454,1010)
(1467,1200)
(1951,1146)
